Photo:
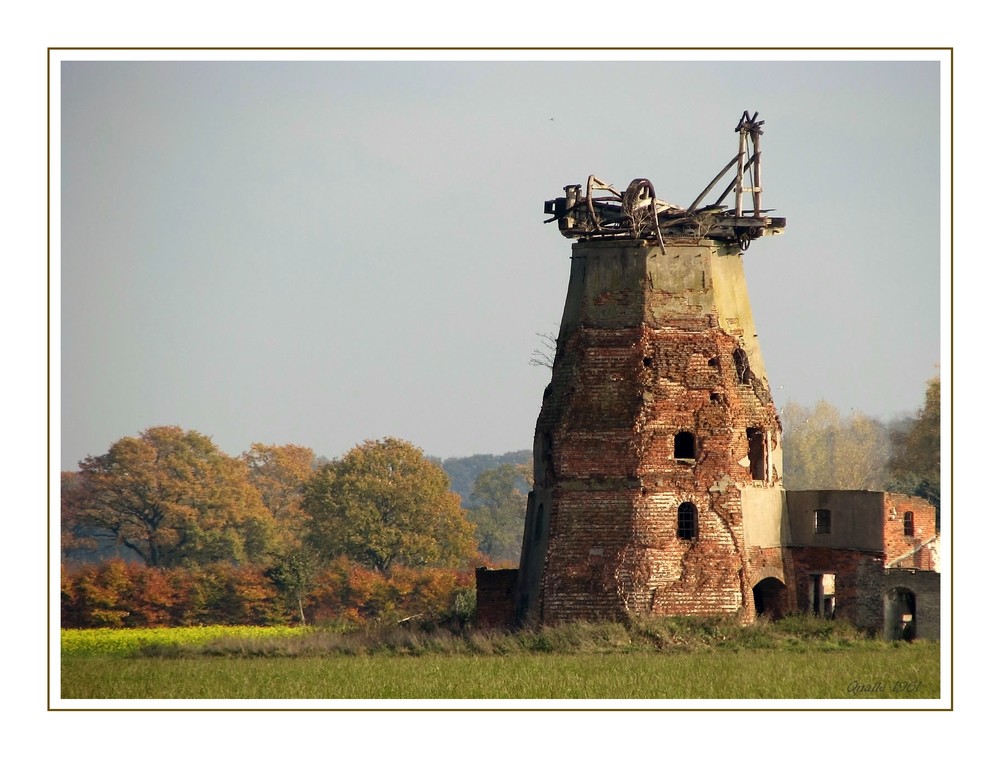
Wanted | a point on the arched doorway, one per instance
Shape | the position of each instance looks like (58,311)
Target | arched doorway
(769,597)
(900,614)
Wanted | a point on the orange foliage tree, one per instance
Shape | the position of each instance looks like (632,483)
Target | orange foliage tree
(120,594)
(352,594)
(172,498)
(279,473)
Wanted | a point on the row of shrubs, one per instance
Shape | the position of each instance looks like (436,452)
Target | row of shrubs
(121,594)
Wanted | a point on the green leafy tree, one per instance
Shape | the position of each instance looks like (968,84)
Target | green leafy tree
(294,574)
(824,450)
(384,504)
(916,455)
(171,497)
(498,505)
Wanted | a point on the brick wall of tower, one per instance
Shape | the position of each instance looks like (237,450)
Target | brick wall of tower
(586,424)
(614,512)
(636,365)
(583,571)
(697,577)
(691,385)
(593,406)
(626,382)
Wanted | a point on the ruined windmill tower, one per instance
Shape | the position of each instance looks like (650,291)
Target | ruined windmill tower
(657,450)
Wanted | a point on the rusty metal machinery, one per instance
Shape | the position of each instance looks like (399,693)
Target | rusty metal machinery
(600,211)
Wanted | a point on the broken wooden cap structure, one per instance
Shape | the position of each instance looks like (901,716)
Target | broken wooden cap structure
(601,212)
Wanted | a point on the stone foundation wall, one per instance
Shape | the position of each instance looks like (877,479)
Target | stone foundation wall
(495,596)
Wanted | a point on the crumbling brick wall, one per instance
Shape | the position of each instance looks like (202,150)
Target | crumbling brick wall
(858,579)
(909,532)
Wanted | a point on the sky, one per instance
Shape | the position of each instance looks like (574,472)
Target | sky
(325,252)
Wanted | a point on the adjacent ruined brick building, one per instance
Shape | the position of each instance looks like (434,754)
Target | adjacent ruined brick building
(657,451)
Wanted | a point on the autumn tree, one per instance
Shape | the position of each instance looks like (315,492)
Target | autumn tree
(916,455)
(279,473)
(824,450)
(498,504)
(171,497)
(382,504)
(77,539)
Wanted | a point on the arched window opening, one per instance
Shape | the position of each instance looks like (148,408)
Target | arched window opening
(908,524)
(742,366)
(900,606)
(770,597)
(684,445)
(687,522)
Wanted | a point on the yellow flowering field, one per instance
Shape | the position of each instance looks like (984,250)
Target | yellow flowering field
(83,642)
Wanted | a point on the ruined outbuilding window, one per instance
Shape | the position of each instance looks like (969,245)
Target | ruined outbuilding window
(684,445)
(908,524)
(822,521)
(687,522)
(758,454)
(742,366)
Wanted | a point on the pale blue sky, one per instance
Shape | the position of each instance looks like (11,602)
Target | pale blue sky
(326,252)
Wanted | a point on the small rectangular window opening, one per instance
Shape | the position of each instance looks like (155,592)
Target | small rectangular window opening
(822,521)
(758,454)
(684,446)
(742,366)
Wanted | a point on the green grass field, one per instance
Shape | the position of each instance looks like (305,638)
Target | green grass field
(683,661)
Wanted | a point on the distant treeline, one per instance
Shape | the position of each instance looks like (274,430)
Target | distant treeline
(824,449)
(463,472)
